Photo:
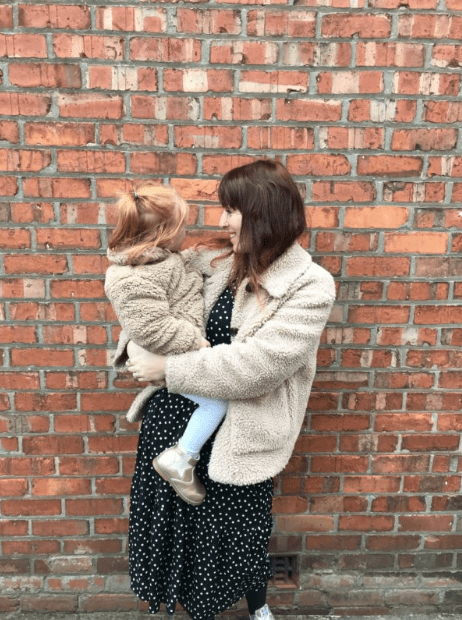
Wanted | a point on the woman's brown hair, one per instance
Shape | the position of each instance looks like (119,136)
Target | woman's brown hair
(273,216)
(150,216)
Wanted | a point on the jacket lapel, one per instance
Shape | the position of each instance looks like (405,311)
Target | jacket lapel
(248,313)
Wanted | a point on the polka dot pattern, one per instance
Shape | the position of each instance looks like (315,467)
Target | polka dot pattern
(206,557)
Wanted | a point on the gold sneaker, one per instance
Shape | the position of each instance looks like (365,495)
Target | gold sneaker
(264,613)
(177,467)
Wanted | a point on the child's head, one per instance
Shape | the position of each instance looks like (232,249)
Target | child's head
(150,216)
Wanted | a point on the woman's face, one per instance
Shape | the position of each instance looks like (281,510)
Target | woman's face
(231,221)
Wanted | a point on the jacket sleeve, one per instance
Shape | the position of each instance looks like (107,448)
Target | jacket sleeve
(144,313)
(249,369)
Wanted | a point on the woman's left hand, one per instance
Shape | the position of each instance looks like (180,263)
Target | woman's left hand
(145,366)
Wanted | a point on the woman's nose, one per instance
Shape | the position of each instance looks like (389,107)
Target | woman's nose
(223,220)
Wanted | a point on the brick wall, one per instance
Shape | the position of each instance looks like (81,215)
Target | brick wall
(361,100)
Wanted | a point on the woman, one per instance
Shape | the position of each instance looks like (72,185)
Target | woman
(266,304)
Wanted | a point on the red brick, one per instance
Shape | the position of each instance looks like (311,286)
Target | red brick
(35,75)
(165,50)
(401,111)
(42,357)
(423,523)
(24,104)
(364,26)
(107,506)
(424,443)
(371,484)
(413,83)
(25,212)
(430,26)
(389,542)
(318,165)
(24,160)
(179,108)
(13,487)
(201,136)
(446,55)
(408,4)
(19,380)
(399,463)
(41,263)
(47,603)
(17,334)
(343,191)
(31,507)
(27,466)
(53,445)
(61,486)
(91,162)
(60,527)
(338,464)
(338,82)
(138,134)
(390,54)
(244,53)
(424,139)
(88,46)
(77,289)
(9,131)
(6,17)
(376,217)
(416,242)
(198,80)
(305,523)
(46,402)
(62,134)
(366,523)
(128,18)
(208,21)
(34,311)
(54,16)
(38,547)
(13,528)
(23,45)
(378,267)
(163,163)
(437,314)
(15,238)
(308,110)
(57,188)
(389,165)
(91,106)
(88,465)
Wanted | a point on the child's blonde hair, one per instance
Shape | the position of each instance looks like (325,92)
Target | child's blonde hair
(151,215)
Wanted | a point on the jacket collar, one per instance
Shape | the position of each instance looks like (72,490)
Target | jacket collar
(280,275)
(154,255)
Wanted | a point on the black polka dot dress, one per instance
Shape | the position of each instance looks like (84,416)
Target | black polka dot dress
(205,557)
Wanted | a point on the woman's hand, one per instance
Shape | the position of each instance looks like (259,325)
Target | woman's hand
(145,366)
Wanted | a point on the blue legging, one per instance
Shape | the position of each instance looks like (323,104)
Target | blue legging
(203,422)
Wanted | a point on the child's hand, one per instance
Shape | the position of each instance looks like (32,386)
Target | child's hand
(204,343)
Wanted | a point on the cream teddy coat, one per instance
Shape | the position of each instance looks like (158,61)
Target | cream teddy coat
(267,371)
(159,306)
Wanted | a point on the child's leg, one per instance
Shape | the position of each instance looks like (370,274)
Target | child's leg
(203,423)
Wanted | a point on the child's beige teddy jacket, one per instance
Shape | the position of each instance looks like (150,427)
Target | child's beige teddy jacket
(158,301)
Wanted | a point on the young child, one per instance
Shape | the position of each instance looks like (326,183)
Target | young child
(158,301)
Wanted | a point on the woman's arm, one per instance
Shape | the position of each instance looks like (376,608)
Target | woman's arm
(255,367)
